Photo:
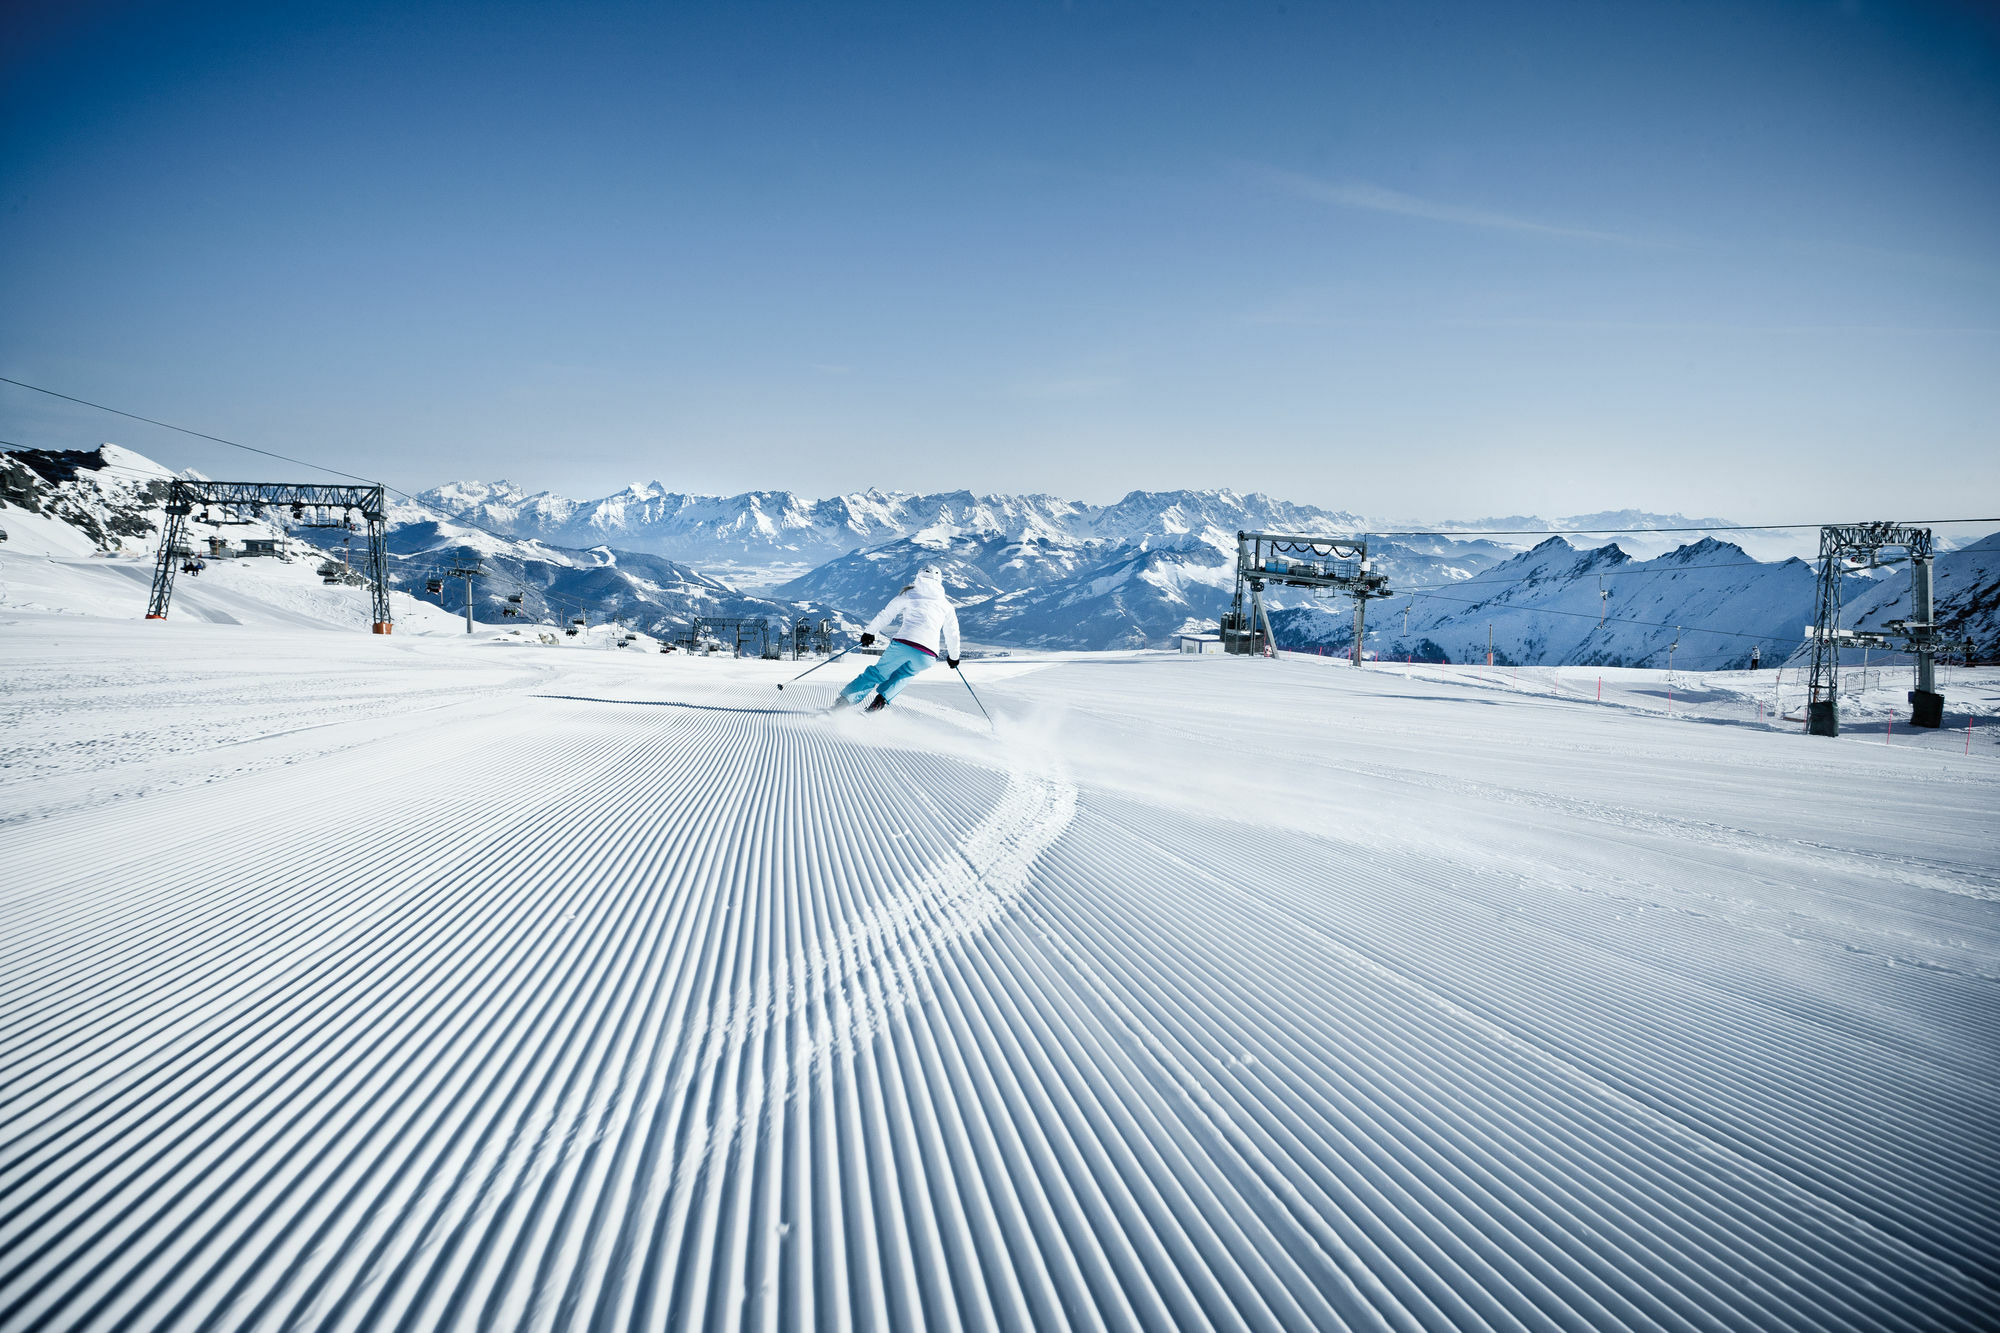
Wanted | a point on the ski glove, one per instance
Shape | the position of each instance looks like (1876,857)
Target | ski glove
(951,662)
(867,640)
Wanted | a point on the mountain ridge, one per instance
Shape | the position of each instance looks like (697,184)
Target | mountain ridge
(783,529)
(1040,571)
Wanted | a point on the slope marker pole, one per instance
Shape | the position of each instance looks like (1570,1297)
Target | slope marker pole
(975,698)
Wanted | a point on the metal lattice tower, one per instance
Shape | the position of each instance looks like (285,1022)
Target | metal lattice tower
(183,495)
(1848,546)
(1327,565)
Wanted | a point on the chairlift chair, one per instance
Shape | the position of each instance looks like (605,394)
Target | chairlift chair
(433,586)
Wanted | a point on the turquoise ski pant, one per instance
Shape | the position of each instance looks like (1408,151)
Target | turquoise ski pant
(889,673)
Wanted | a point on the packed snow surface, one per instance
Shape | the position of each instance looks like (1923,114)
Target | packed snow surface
(363,982)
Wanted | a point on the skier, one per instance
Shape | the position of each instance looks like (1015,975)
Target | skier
(929,626)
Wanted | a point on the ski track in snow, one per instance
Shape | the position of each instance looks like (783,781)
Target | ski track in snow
(545,1007)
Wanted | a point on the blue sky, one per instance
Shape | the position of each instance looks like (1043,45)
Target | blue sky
(1415,259)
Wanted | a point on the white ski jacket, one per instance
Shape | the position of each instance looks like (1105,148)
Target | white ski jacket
(927,615)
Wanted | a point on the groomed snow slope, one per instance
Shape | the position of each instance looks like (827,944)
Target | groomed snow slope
(475,985)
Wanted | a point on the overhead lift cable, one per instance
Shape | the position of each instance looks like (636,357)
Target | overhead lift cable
(199,434)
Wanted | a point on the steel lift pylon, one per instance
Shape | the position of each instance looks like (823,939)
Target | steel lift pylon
(1844,548)
(183,496)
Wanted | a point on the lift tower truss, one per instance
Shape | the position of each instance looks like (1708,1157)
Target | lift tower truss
(183,496)
(1843,549)
(1327,565)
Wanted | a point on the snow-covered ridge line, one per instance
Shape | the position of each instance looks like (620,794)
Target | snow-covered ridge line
(110,502)
(649,516)
(783,525)
(1041,572)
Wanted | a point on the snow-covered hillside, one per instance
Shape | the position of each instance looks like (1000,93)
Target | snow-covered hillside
(1965,594)
(362,982)
(646,592)
(110,502)
(1709,598)
(54,578)
(1545,606)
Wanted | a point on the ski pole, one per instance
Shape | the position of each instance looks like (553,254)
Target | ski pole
(975,698)
(817,665)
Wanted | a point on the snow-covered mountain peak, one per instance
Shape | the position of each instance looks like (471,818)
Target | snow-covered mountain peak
(469,493)
(125,460)
(1707,551)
